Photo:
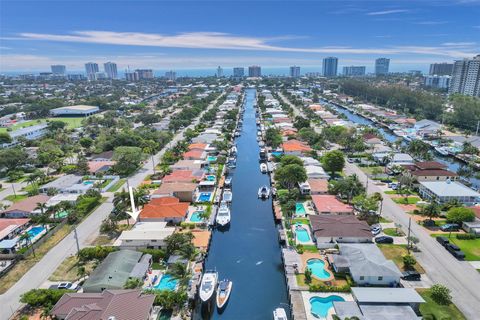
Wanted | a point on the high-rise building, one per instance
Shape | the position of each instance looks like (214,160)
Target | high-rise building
(219,72)
(254,71)
(144,73)
(59,69)
(238,72)
(466,77)
(111,70)
(381,66)
(441,69)
(91,68)
(295,72)
(76,77)
(440,82)
(132,76)
(171,75)
(330,67)
(354,71)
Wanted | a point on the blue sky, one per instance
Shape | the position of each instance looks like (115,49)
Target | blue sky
(204,34)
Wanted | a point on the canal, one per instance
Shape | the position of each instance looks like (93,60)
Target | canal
(248,252)
(452,163)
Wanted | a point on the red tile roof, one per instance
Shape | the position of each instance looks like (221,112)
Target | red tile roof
(318,185)
(428,165)
(4,223)
(165,207)
(180,176)
(434,173)
(199,146)
(329,203)
(194,154)
(295,145)
(29,204)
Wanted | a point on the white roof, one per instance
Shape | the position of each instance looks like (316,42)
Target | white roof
(80,107)
(148,231)
(386,295)
(449,189)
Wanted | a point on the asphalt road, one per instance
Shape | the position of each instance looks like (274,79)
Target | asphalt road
(87,231)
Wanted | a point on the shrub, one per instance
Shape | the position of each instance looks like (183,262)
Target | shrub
(325,288)
(409,261)
(308,275)
(460,214)
(466,236)
(440,294)
(42,297)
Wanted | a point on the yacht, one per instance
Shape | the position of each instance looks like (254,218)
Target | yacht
(228,182)
(233,150)
(223,215)
(223,292)
(263,168)
(263,192)
(279,314)
(227,195)
(442,150)
(208,285)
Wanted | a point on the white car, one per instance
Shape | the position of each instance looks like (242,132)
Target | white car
(376,230)
(67,286)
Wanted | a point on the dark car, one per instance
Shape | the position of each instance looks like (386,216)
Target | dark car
(384,239)
(450,227)
(443,241)
(411,276)
(455,251)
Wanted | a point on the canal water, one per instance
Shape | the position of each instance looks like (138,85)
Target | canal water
(248,252)
(452,163)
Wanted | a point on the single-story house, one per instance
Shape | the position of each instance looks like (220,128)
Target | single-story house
(329,229)
(193,165)
(318,186)
(401,159)
(145,235)
(109,304)
(295,147)
(430,171)
(445,191)
(206,138)
(184,176)
(427,127)
(366,264)
(168,209)
(10,228)
(25,208)
(472,227)
(63,184)
(329,204)
(195,154)
(185,191)
(198,146)
(100,166)
(316,172)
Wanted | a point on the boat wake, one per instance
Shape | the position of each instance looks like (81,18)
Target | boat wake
(259,263)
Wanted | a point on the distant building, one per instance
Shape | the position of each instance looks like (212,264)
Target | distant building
(354,71)
(294,72)
(58,69)
(144,74)
(436,81)
(111,70)
(313,74)
(100,76)
(254,71)
(238,72)
(171,75)
(382,66)
(79,110)
(219,72)
(441,69)
(76,77)
(91,68)
(132,76)
(28,133)
(330,67)
(466,77)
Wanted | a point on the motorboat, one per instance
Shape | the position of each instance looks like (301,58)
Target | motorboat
(264,192)
(442,150)
(223,215)
(227,195)
(263,168)
(208,285)
(274,191)
(233,150)
(228,182)
(279,314)
(223,292)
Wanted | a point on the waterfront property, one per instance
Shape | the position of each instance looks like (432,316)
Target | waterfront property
(430,171)
(145,235)
(319,305)
(168,209)
(185,191)
(329,204)
(329,229)
(302,234)
(445,191)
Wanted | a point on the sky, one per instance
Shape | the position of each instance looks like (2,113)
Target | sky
(199,34)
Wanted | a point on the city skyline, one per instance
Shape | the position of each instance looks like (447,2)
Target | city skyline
(412,35)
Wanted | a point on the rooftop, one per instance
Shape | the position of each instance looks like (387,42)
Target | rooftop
(329,225)
(386,295)
(28,204)
(330,204)
(165,207)
(449,189)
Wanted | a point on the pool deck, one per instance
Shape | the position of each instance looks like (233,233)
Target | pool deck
(192,209)
(308,295)
(310,255)
(307,227)
(308,206)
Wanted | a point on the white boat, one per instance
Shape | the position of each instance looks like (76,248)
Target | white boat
(442,150)
(263,168)
(264,192)
(223,292)
(279,314)
(208,285)
(227,195)
(228,182)
(223,215)
(233,150)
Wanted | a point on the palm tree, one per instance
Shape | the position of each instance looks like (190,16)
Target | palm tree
(42,207)
(179,271)
(431,210)
(26,237)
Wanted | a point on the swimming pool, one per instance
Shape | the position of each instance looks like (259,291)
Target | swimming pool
(204,197)
(210,178)
(300,209)
(88,182)
(317,266)
(319,306)
(35,231)
(302,233)
(277,153)
(195,217)
(211,159)
(166,283)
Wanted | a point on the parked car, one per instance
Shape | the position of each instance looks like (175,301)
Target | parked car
(450,227)
(67,286)
(443,241)
(349,160)
(455,251)
(393,185)
(376,229)
(384,239)
(411,276)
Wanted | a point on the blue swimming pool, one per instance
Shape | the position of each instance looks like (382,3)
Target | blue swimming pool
(277,153)
(210,178)
(211,159)
(166,283)
(204,197)
(300,209)
(35,231)
(302,233)
(317,266)
(88,182)
(321,305)
(195,217)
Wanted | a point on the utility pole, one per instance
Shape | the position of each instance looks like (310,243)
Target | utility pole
(75,235)
(153,164)
(478,127)
(408,237)
(14,193)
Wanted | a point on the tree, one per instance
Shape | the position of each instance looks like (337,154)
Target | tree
(468,148)
(460,214)
(440,294)
(179,271)
(419,149)
(409,261)
(301,122)
(308,275)
(273,137)
(347,188)
(38,298)
(431,210)
(5,138)
(12,158)
(128,159)
(333,161)
(177,241)
(290,175)
(133,283)
(86,142)
(82,165)
(289,159)
(366,205)
(56,125)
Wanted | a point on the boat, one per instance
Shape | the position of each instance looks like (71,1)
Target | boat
(263,192)
(279,314)
(263,168)
(223,292)
(228,182)
(208,285)
(233,150)
(442,150)
(227,195)
(223,215)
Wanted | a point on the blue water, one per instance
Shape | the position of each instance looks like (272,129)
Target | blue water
(211,159)
(88,182)
(210,178)
(35,231)
(299,209)
(195,217)
(277,153)
(248,252)
(204,197)
(317,266)
(302,234)
(321,305)
(166,283)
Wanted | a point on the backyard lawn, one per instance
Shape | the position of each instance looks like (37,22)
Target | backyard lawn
(471,248)
(437,311)
(17,198)
(395,253)
(68,270)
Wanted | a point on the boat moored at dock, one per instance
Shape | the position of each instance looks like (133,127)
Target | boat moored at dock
(223,292)
(208,285)
(264,192)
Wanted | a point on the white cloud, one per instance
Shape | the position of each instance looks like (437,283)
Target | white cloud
(431,23)
(385,12)
(459,44)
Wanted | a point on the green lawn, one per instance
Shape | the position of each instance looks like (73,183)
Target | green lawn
(471,248)
(392,232)
(72,123)
(437,311)
(395,253)
(408,200)
(384,220)
(398,192)
(301,220)
(116,186)
(14,199)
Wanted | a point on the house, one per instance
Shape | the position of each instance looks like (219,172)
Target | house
(193,165)
(366,264)
(62,184)
(168,209)
(207,138)
(185,191)
(198,146)
(25,208)
(329,229)
(401,159)
(329,204)
(472,227)
(78,110)
(10,229)
(316,172)
(104,156)
(116,269)
(95,167)
(201,239)
(445,191)
(318,186)
(430,171)
(195,154)
(427,127)
(295,147)
(145,235)
(184,176)
(109,304)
